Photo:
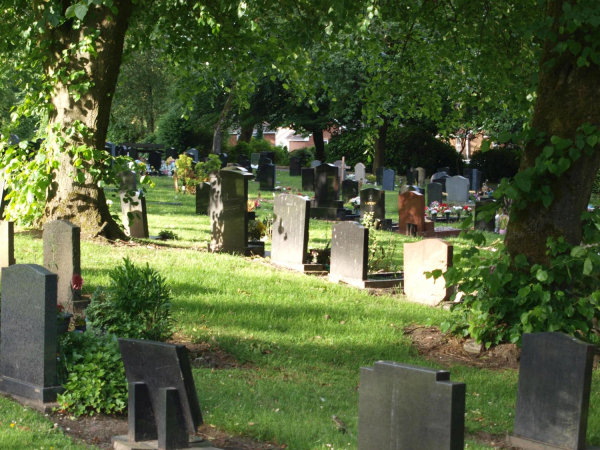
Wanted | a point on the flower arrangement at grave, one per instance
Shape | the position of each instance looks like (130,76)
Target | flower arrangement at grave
(467,209)
(355,202)
(251,205)
(457,210)
(256,230)
(371,178)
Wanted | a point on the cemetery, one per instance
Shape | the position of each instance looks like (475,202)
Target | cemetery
(310,225)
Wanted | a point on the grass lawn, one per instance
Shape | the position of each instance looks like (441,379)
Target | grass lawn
(301,366)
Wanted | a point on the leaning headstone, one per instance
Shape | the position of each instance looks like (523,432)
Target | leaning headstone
(163,403)
(202,198)
(308,179)
(290,230)
(379,175)
(349,190)
(360,173)
(295,167)
(457,188)
(349,251)
(389,180)
(62,256)
(421,176)
(29,338)
(553,396)
(7,243)
(315,163)
(434,193)
(405,407)
(135,218)
(426,256)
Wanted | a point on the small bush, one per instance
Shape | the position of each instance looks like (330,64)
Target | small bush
(306,155)
(496,163)
(92,373)
(136,304)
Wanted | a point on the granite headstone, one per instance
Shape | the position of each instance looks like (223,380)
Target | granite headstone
(457,188)
(372,201)
(360,173)
(421,176)
(202,198)
(389,180)
(411,211)
(295,167)
(379,175)
(426,256)
(410,176)
(135,217)
(349,251)
(291,215)
(308,179)
(266,176)
(349,190)
(434,193)
(440,177)
(327,185)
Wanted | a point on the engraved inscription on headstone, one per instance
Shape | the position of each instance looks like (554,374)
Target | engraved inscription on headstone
(372,201)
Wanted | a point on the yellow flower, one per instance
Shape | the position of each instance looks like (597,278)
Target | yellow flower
(12,425)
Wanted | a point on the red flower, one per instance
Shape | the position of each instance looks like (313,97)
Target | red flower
(76,282)
(60,308)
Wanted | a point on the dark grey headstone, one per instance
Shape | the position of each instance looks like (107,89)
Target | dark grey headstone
(266,176)
(270,155)
(245,162)
(410,176)
(404,407)
(327,185)
(349,250)
(28,363)
(295,167)
(475,180)
(553,396)
(379,175)
(62,256)
(224,159)
(308,179)
(444,169)
(434,193)
(264,160)
(135,217)
(291,215)
(389,180)
(161,388)
(349,190)
(440,177)
(202,198)
(193,153)
(372,201)
(7,243)
(227,210)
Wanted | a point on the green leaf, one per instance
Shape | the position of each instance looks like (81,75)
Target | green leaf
(547,200)
(548,151)
(524,291)
(523,183)
(80,11)
(592,140)
(578,252)
(587,266)
(541,275)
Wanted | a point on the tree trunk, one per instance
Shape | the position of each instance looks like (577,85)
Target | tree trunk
(380,144)
(84,204)
(567,97)
(319,145)
(246,133)
(218,134)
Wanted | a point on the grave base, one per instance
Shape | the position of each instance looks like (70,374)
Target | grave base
(529,444)
(25,392)
(369,283)
(324,213)
(123,443)
(307,269)
(44,408)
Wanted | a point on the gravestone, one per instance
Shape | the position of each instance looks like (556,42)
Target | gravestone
(291,215)
(245,162)
(421,177)
(426,256)
(7,243)
(553,396)
(476,180)
(137,225)
(389,180)
(193,153)
(410,188)
(327,186)
(315,163)
(29,338)
(295,167)
(410,177)
(379,175)
(227,210)
(128,181)
(444,169)
(372,201)
(269,155)
(349,251)
(62,256)
(434,193)
(254,160)
(349,190)
(406,407)
(457,188)
(202,198)
(266,176)
(224,159)
(411,214)
(264,160)
(308,179)
(360,173)
(440,177)
(481,224)
(163,403)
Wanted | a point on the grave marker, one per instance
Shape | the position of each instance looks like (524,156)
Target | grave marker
(379,175)
(266,176)
(389,180)
(421,176)
(426,256)
(372,200)
(360,173)
(202,198)
(434,193)
(308,179)
(349,190)
(440,177)
(137,225)
(295,167)
(410,176)
(457,188)
(411,214)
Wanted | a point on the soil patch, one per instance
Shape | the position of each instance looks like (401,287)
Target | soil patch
(447,350)
(491,440)
(209,355)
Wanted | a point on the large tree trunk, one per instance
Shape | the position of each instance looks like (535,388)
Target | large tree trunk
(567,97)
(84,204)
(218,129)
(246,133)
(380,144)
(319,144)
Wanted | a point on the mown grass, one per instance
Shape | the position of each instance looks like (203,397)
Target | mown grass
(302,340)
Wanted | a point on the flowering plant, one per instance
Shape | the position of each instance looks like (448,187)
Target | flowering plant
(251,205)
(467,209)
(355,202)
(76,282)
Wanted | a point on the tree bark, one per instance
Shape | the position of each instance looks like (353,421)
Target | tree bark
(246,133)
(218,133)
(379,147)
(567,97)
(319,144)
(84,204)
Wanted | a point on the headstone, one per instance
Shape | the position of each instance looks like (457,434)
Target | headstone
(481,224)
(389,180)
(315,163)
(264,160)
(426,256)
(327,185)
(360,173)
(269,155)
(440,177)
(291,215)
(29,338)
(379,175)
(202,198)
(349,190)
(434,193)
(372,201)
(163,403)
(266,176)
(421,176)
(457,188)
(193,153)
(553,396)
(255,160)
(349,251)
(62,256)
(137,225)
(410,188)
(411,211)
(245,162)
(7,243)
(475,179)
(223,158)
(405,407)
(308,179)
(410,176)
(444,169)
(155,158)
(128,181)
(295,167)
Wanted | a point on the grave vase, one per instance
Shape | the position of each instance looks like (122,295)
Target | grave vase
(63,324)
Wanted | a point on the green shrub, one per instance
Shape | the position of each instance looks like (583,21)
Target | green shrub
(136,304)
(353,145)
(496,163)
(92,374)
(282,156)
(306,155)
(260,145)
(203,169)
(242,148)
